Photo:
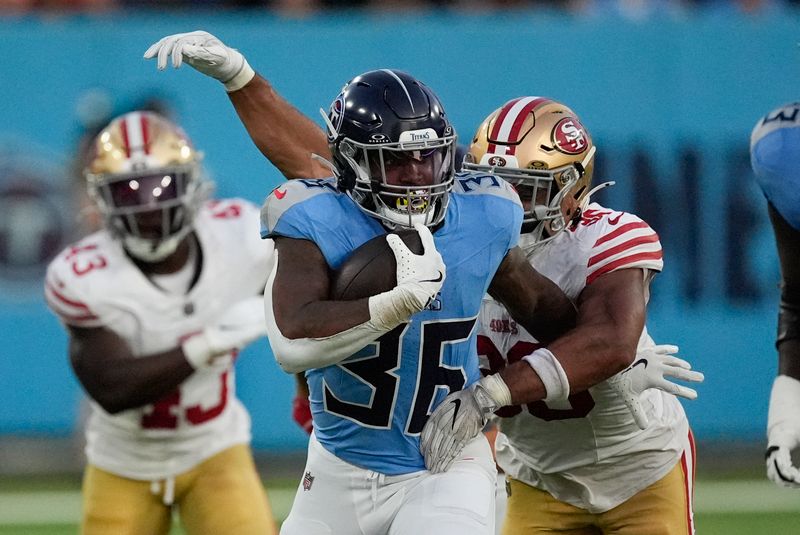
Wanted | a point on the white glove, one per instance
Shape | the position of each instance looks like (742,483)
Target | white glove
(459,419)
(783,431)
(243,323)
(654,367)
(205,53)
(419,279)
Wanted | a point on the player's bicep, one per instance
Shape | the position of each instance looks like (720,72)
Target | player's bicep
(91,351)
(301,278)
(532,299)
(616,303)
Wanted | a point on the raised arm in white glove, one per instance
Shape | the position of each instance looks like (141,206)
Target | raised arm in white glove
(242,324)
(654,367)
(205,53)
(458,419)
(419,279)
(783,431)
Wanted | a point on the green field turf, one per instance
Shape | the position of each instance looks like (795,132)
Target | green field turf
(723,507)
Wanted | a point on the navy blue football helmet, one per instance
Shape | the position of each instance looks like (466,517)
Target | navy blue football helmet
(393,148)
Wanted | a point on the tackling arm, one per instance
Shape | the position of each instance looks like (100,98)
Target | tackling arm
(611,314)
(116,379)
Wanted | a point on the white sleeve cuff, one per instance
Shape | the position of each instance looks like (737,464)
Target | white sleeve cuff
(555,380)
(241,78)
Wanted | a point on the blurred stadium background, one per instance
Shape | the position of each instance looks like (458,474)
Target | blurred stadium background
(669,89)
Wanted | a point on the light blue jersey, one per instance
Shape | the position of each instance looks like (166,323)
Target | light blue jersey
(775,156)
(369,409)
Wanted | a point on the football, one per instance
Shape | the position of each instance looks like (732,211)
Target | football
(371,269)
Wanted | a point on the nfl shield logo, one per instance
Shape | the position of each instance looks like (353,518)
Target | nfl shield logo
(308,480)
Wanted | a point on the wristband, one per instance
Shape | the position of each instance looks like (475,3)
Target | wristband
(241,78)
(555,380)
(196,351)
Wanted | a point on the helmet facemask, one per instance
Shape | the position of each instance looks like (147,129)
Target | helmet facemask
(153,212)
(393,148)
(402,183)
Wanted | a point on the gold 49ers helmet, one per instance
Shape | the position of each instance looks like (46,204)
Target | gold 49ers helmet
(144,176)
(540,146)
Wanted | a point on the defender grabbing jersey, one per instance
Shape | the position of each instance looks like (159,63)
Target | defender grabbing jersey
(588,451)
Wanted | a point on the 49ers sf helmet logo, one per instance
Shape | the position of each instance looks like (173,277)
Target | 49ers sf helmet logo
(497,161)
(569,136)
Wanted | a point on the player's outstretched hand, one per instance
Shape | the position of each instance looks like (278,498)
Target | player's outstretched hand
(654,367)
(240,325)
(205,53)
(458,419)
(419,277)
(783,431)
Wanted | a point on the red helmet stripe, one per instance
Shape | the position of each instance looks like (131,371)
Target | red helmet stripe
(145,134)
(510,120)
(123,126)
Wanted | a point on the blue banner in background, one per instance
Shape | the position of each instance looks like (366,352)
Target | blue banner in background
(670,104)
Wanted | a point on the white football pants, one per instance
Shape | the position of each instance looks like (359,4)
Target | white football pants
(343,499)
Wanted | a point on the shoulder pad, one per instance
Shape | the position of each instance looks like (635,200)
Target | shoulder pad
(290,194)
(619,240)
(775,158)
(484,184)
(787,116)
(67,285)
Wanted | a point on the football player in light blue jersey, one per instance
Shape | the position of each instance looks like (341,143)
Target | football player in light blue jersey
(377,367)
(775,156)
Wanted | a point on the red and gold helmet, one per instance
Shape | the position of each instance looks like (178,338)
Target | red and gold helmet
(540,146)
(144,175)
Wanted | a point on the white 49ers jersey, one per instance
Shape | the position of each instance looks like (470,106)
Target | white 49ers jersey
(587,452)
(94,284)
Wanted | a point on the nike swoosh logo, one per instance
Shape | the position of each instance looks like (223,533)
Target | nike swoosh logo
(643,362)
(280,194)
(439,279)
(614,220)
(457,403)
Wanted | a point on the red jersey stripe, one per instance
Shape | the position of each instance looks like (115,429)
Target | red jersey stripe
(79,319)
(630,244)
(621,230)
(611,266)
(65,300)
